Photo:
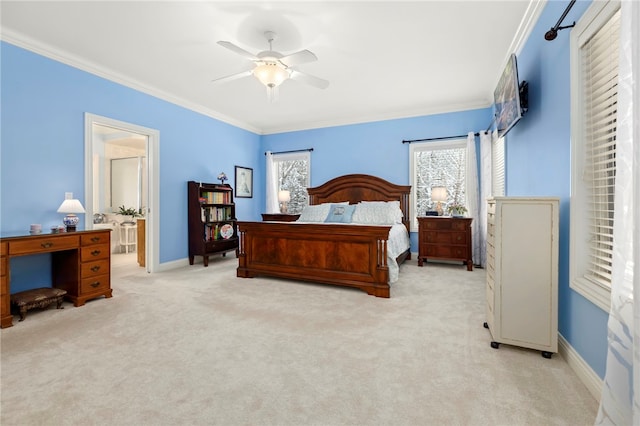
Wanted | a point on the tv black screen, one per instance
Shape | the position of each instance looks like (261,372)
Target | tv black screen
(506,97)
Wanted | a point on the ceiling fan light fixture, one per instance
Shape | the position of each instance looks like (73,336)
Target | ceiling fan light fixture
(271,74)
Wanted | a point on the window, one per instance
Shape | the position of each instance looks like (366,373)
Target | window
(594,74)
(497,167)
(436,164)
(293,172)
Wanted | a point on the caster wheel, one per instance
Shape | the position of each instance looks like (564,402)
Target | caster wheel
(495,345)
(485,325)
(546,355)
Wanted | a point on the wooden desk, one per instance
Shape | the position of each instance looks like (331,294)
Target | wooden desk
(80,264)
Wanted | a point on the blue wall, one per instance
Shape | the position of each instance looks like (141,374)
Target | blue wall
(538,163)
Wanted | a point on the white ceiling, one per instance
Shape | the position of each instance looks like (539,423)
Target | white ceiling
(383,59)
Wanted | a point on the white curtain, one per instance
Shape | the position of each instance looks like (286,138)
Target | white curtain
(485,192)
(272,186)
(472,196)
(620,400)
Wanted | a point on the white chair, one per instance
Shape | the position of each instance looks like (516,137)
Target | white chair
(128,232)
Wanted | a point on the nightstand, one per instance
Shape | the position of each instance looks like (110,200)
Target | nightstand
(445,238)
(279,217)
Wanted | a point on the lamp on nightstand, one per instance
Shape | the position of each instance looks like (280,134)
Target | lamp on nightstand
(439,195)
(284,197)
(70,206)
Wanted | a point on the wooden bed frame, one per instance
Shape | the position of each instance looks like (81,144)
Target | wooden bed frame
(344,255)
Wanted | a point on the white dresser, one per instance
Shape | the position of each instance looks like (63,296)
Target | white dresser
(522,272)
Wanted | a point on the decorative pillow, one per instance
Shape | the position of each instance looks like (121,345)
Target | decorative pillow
(378,212)
(340,213)
(316,213)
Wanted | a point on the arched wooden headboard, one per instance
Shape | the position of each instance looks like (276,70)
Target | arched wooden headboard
(358,187)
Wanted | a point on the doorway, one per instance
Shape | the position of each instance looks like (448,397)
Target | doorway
(121,174)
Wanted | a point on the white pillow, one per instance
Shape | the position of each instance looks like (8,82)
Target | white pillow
(373,213)
(393,212)
(316,213)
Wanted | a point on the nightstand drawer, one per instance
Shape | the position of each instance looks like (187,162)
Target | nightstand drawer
(447,252)
(435,237)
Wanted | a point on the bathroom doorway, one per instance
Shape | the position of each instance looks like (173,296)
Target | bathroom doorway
(121,188)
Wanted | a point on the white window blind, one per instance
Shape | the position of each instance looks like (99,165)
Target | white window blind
(599,57)
(497,169)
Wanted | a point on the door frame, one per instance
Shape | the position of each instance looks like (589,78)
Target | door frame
(152,222)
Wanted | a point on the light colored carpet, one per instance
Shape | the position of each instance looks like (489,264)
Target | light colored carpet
(199,346)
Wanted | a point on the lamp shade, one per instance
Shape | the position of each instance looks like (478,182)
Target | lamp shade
(70,205)
(438,193)
(284,196)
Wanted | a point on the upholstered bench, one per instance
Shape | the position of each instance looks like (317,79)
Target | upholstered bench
(37,298)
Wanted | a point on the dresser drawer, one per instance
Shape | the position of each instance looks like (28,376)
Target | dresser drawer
(94,252)
(92,269)
(43,244)
(451,237)
(447,252)
(94,284)
(97,238)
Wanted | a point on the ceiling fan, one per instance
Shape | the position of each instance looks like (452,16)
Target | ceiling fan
(273,68)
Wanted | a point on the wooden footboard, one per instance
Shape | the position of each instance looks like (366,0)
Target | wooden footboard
(344,255)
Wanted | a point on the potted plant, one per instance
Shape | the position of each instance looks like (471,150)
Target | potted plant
(456,209)
(133,213)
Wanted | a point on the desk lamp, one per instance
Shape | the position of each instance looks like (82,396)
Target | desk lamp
(70,206)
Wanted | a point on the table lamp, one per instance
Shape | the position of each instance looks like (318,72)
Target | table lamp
(70,206)
(439,194)
(284,197)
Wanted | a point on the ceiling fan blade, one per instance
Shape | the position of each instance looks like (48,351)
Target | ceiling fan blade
(309,79)
(301,57)
(240,51)
(232,77)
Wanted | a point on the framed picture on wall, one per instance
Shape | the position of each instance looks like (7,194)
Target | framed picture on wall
(244,182)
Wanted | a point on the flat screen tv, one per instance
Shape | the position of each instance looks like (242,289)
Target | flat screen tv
(506,98)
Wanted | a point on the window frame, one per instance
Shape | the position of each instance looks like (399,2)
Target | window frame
(426,146)
(293,156)
(594,18)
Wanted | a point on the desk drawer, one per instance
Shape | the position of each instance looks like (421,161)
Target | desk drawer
(94,252)
(92,269)
(95,238)
(44,244)
(94,284)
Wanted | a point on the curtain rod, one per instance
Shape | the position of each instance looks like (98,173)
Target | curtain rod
(288,152)
(451,137)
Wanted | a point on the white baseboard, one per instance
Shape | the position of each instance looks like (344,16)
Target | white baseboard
(591,380)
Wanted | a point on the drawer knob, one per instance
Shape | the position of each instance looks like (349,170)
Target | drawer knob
(95,239)
(95,268)
(46,245)
(95,252)
(95,284)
